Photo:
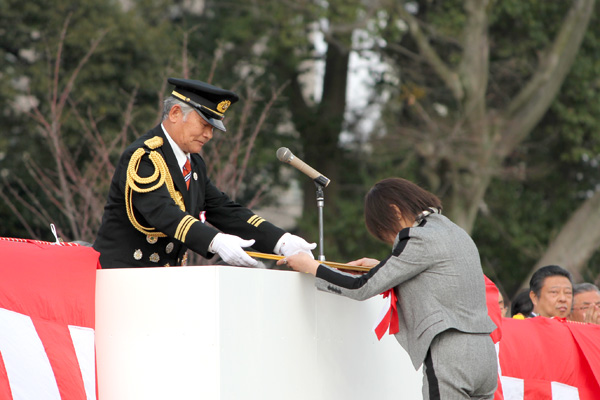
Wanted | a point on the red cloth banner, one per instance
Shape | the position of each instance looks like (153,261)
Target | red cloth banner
(549,358)
(47,303)
(492,296)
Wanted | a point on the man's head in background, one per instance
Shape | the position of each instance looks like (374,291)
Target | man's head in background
(551,291)
(586,303)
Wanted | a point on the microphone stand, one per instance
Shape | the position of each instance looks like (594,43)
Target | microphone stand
(320,204)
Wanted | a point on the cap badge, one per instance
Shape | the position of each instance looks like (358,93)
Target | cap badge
(223,106)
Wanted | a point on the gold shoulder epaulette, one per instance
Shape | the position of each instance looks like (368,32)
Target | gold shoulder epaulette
(161,176)
(154,143)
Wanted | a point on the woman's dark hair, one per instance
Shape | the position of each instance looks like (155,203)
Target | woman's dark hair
(381,219)
(521,304)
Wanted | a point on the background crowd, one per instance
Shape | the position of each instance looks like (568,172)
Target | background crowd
(552,293)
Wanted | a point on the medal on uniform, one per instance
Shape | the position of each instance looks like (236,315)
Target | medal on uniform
(151,239)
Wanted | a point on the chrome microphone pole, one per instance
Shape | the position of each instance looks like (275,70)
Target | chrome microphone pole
(285,155)
(320,204)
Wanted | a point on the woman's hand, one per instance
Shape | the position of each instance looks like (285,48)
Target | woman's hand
(300,262)
(364,262)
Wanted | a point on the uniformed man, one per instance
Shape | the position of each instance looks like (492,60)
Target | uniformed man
(160,196)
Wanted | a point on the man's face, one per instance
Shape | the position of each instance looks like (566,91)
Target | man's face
(555,298)
(191,133)
(503,308)
(582,303)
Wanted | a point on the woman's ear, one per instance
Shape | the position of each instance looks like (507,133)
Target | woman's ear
(397,211)
(405,221)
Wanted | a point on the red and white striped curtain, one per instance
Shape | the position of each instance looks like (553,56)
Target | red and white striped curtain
(47,294)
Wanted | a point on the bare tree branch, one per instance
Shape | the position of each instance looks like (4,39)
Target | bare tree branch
(577,240)
(10,203)
(474,65)
(532,102)
(218,56)
(448,76)
(184,51)
(257,128)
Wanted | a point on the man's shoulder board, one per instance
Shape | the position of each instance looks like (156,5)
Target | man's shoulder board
(154,143)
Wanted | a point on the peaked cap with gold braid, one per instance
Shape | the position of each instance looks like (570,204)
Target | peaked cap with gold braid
(161,176)
(209,101)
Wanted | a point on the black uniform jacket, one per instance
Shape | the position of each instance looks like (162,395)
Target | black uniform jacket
(121,244)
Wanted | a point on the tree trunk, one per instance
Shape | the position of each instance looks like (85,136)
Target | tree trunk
(576,242)
(320,140)
(473,150)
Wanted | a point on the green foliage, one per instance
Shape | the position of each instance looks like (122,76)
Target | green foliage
(574,116)
(140,48)
(520,220)
(519,31)
(547,177)
(345,235)
(446,18)
(256,47)
(556,168)
(534,22)
(131,58)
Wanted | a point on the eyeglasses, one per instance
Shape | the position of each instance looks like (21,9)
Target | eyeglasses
(586,306)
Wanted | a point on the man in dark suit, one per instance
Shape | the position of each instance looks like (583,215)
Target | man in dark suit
(160,196)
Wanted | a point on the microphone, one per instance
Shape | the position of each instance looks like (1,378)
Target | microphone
(285,155)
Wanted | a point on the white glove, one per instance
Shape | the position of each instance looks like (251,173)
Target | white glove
(229,248)
(290,244)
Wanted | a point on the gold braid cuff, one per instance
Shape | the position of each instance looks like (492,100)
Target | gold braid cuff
(184,227)
(161,176)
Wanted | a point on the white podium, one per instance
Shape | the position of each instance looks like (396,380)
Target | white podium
(230,333)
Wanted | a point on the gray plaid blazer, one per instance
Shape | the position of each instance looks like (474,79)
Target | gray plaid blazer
(436,272)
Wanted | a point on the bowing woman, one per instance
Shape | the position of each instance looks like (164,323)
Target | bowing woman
(435,273)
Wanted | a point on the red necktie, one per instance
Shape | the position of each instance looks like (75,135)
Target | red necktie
(187,172)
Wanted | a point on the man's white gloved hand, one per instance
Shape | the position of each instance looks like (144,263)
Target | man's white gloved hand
(229,248)
(290,244)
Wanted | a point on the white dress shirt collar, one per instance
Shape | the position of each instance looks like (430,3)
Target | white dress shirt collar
(179,154)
